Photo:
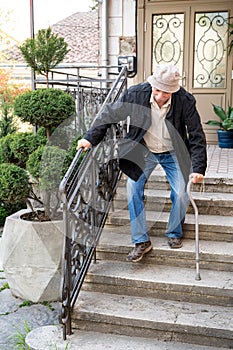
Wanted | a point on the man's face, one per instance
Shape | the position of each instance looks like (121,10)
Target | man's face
(161,97)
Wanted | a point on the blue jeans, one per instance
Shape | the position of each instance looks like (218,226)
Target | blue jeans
(178,195)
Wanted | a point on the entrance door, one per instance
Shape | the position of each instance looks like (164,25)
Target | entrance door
(194,38)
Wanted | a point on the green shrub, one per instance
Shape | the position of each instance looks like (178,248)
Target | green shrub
(14,184)
(47,165)
(53,167)
(23,144)
(41,132)
(3,215)
(6,155)
(7,209)
(16,148)
(44,52)
(19,337)
(34,162)
(44,107)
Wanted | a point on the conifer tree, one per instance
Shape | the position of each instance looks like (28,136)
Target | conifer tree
(44,52)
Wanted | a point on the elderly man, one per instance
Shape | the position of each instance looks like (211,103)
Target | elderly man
(165,129)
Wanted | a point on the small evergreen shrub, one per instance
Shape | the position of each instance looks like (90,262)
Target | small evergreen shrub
(34,162)
(16,148)
(14,184)
(3,215)
(7,209)
(47,107)
(6,155)
(46,164)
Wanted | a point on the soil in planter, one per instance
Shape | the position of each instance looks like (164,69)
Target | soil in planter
(39,216)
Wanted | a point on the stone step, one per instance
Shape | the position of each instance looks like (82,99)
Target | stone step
(154,318)
(158,180)
(211,227)
(44,338)
(214,255)
(211,203)
(160,281)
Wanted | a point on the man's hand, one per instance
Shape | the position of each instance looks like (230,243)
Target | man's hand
(84,144)
(197,177)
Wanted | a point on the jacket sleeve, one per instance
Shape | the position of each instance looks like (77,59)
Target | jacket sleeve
(196,136)
(112,113)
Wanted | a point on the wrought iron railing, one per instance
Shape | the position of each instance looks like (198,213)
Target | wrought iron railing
(87,191)
(85,84)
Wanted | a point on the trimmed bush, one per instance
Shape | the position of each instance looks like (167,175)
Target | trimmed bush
(3,215)
(44,107)
(34,162)
(14,184)
(16,148)
(44,52)
(47,165)
(6,155)
(7,209)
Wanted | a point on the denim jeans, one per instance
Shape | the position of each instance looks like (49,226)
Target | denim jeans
(178,196)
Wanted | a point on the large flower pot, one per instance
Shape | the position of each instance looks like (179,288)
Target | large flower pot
(225,139)
(31,255)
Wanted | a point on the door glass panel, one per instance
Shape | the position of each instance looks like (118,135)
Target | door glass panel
(168,40)
(210,54)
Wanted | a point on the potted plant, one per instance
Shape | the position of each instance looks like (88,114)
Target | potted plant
(47,107)
(32,244)
(32,261)
(31,249)
(32,239)
(225,124)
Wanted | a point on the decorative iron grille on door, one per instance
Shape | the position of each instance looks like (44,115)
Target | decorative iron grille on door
(210,53)
(210,46)
(168,39)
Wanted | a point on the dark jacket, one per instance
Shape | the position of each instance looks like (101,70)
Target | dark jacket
(182,120)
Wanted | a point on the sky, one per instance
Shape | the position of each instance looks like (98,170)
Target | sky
(46,12)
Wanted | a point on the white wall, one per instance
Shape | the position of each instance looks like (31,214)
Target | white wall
(121,28)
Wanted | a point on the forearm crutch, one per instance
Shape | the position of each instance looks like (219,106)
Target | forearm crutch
(198,276)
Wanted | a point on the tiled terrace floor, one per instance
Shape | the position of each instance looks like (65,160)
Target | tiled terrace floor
(220,162)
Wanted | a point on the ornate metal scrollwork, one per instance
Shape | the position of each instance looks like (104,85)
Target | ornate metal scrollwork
(210,50)
(168,38)
(86,191)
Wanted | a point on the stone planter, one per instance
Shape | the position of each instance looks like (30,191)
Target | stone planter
(31,257)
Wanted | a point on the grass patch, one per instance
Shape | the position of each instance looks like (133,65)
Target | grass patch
(5,286)
(29,303)
(47,304)
(20,337)
(25,303)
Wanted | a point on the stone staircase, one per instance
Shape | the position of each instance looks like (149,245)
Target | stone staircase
(157,303)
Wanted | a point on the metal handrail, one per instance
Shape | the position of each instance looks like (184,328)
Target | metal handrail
(198,276)
(87,191)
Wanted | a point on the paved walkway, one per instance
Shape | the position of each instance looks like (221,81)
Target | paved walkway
(220,162)
(14,314)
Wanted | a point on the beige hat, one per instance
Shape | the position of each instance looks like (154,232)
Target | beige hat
(165,78)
